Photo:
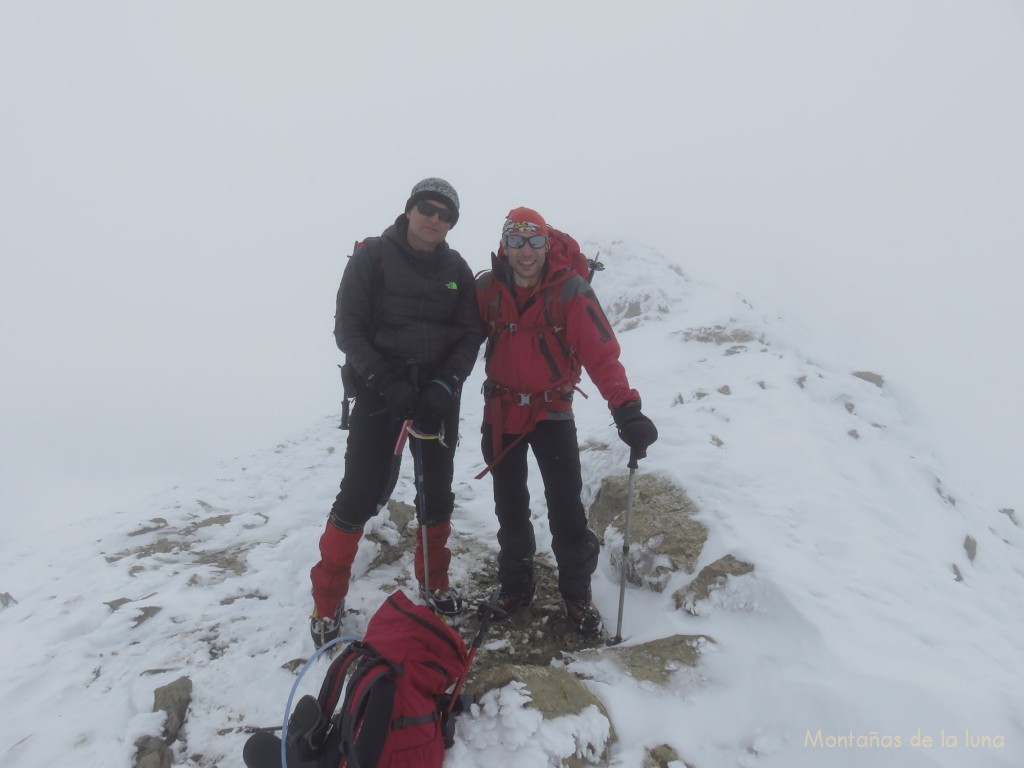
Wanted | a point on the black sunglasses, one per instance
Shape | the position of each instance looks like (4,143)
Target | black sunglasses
(429,209)
(518,241)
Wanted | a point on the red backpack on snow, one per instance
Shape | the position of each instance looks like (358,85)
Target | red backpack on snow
(391,686)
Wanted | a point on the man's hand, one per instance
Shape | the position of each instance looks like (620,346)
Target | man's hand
(401,399)
(433,406)
(635,430)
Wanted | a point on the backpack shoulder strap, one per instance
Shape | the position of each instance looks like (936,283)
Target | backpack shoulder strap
(334,680)
(374,250)
(365,719)
(373,247)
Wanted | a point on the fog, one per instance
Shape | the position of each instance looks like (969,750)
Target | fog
(180,185)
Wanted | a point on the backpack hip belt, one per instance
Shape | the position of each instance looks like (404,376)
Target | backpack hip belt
(492,389)
(498,397)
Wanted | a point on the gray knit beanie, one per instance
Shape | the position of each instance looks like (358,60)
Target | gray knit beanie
(435,189)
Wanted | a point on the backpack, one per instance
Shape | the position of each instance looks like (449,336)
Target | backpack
(564,250)
(391,686)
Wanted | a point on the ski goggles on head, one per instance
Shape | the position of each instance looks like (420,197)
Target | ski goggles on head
(429,209)
(518,241)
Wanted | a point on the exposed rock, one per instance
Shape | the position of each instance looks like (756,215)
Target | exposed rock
(555,692)
(872,378)
(173,699)
(157,524)
(145,614)
(153,753)
(665,537)
(971,547)
(115,604)
(711,577)
(391,533)
(718,335)
(245,596)
(7,600)
(655,661)
(181,543)
(662,757)
(535,635)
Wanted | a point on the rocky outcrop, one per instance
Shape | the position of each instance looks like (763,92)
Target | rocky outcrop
(711,577)
(173,700)
(665,537)
(555,693)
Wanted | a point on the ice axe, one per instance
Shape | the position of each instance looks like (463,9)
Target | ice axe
(625,544)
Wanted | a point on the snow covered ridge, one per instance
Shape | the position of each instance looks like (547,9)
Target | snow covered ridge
(849,585)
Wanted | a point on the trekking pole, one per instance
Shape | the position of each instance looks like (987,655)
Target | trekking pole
(625,546)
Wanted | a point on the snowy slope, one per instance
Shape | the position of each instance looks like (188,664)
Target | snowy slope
(866,625)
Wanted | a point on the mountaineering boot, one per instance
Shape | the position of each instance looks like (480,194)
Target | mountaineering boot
(584,616)
(445,602)
(505,600)
(323,630)
(330,578)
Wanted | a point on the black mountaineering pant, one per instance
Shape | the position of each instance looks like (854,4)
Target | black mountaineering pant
(574,545)
(369,457)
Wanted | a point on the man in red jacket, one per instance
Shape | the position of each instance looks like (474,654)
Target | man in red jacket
(543,325)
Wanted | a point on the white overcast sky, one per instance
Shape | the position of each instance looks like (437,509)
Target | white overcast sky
(180,184)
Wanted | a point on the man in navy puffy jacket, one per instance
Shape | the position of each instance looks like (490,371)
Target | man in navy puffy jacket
(407,322)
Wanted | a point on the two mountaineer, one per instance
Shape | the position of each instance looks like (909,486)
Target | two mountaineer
(410,320)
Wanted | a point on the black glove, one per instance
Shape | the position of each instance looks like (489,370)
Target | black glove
(400,395)
(401,399)
(433,406)
(380,376)
(635,430)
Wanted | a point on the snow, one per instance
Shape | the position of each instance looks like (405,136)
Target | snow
(836,187)
(851,636)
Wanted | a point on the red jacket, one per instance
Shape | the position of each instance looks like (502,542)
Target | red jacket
(538,339)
